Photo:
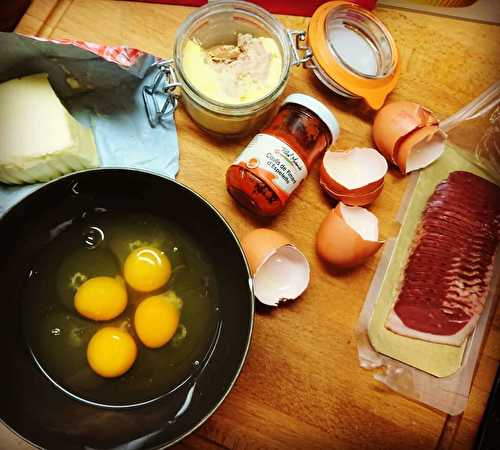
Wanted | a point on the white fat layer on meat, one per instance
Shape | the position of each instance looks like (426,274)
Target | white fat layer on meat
(461,294)
(395,324)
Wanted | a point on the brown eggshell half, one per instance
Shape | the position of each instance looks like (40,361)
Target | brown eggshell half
(361,200)
(340,245)
(280,270)
(368,163)
(356,199)
(396,120)
(259,244)
(427,141)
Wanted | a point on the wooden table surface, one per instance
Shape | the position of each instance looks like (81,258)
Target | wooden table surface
(302,387)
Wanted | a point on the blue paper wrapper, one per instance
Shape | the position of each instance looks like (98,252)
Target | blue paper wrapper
(101,94)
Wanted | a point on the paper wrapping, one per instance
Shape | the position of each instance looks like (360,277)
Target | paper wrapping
(101,86)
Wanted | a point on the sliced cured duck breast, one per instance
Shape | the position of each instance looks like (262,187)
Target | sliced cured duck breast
(450,265)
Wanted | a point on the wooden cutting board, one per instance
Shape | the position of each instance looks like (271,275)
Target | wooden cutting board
(302,387)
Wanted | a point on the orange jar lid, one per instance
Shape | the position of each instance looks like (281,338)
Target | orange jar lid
(355,50)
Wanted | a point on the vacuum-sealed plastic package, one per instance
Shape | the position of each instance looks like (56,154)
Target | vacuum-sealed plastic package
(436,374)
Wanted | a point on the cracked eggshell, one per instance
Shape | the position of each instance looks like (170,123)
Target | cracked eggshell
(280,271)
(355,177)
(421,148)
(356,199)
(395,121)
(348,236)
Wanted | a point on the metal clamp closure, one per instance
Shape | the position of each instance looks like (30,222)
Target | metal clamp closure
(301,53)
(160,98)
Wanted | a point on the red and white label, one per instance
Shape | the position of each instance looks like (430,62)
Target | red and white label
(274,161)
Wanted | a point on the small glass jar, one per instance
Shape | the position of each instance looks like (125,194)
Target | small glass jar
(276,161)
(352,52)
(220,23)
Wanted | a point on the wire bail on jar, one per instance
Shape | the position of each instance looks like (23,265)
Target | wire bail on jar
(160,97)
(297,39)
(347,47)
(165,82)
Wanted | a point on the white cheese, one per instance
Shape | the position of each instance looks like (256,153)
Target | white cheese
(39,139)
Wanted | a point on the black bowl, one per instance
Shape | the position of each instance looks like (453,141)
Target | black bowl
(42,413)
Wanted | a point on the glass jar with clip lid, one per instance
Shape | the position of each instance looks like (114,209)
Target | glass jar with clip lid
(232,61)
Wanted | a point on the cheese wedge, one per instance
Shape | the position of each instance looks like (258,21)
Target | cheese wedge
(39,139)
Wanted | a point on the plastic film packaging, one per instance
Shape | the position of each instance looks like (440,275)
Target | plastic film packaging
(476,129)
(430,373)
(488,148)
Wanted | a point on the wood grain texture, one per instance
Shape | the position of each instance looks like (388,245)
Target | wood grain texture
(302,386)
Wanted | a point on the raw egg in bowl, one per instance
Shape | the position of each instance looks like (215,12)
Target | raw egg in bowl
(128,310)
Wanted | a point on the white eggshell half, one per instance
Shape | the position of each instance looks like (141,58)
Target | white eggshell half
(426,152)
(355,168)
(362,221)
(284,275)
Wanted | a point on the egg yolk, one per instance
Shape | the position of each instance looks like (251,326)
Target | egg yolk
(156,319)
(111,352)
(101,298)
(147,269)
